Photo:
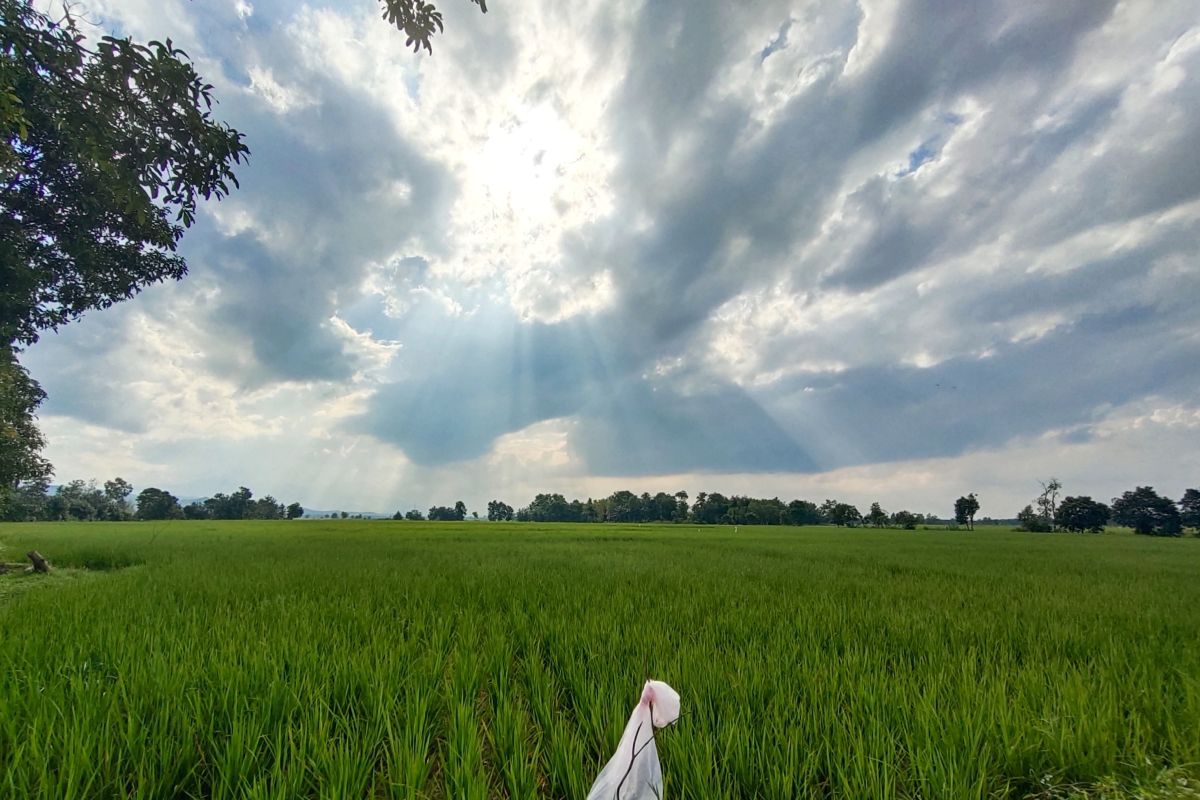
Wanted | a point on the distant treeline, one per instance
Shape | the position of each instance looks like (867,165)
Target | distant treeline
(87,502)
(708,509)
(1142,509)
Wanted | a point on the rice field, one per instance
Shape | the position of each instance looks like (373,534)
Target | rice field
(346,659)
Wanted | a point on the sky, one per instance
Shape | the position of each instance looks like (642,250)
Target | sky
(888,250)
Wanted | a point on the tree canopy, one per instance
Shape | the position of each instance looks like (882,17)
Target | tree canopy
(965,509)
(21,442)
(447,514)
(1147,512)
(418,20)
(155,503)
(1030,520)
(499,511)
(1189,509)
(107,149)
(1079,514)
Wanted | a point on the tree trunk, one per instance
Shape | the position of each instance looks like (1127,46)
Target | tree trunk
(40,564)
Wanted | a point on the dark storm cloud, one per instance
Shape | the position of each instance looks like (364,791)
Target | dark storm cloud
(322,185)
(642,428)
(1065,379)
(481,378)
(1106,282)
(80,382)
(1153,169)
(774,191)
(495,375)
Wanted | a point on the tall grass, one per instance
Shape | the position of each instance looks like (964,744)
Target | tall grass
(407,660)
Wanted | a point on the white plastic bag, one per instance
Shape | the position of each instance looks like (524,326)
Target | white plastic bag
(633,773)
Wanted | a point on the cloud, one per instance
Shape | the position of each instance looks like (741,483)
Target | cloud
(831,241)
(1066,378)
(481,378)
(741,201)
(638,429)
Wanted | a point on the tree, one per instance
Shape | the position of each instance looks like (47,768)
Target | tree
(196,510)
(239,505)
(965,509)
(1048,500)
(264,508)
(153,503)
(116,495)
(552,507)
(446,514)
(21,442)
(1079,514)
(295,511)
(631,507)
(877,517)
(28,501)
(803,512)
(905,519)
(827,509)
(80,500)
(663,507)
(414,516)
(498,511)
(107,150)
(1147,512)
(1189,510)
(844,514)
(681,507)
(1030,520)
(418,20)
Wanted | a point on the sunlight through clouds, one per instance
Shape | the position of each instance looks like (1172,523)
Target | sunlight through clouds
(804,247)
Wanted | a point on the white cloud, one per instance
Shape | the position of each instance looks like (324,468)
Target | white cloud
(875,31)
(524,145)
(279,97)
(667,217)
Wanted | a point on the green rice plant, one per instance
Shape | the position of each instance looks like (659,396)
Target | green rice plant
(441,660)
(409,741)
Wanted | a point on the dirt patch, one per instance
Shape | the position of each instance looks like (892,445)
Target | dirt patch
(18,577)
